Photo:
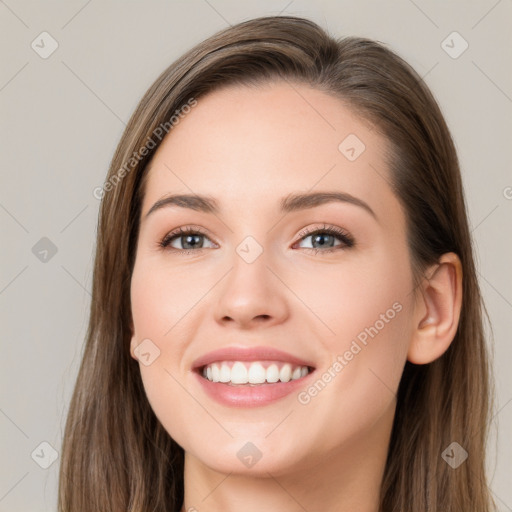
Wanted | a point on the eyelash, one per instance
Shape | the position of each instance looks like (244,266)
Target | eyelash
(346,239)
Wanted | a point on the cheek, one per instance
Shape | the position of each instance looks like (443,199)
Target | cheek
(358,388)
(359,298)
(368,309)
(161,299)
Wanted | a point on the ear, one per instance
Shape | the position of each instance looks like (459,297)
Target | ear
(437,310)
(133,341)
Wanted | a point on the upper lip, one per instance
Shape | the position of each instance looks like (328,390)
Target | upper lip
(234,353)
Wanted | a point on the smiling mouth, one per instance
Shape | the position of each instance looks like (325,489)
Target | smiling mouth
(253,373)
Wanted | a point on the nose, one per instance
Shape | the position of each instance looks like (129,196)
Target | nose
(252,296)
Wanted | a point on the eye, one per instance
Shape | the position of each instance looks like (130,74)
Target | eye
(324,239)
(187,237)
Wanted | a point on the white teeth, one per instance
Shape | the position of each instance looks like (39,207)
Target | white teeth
(285,374)
(239,374)
(252,372)
(225,373)
(272,373)
(215,373)
(257,374)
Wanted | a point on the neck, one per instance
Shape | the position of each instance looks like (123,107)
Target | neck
(348,479)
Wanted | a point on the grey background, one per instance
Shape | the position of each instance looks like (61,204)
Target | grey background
(61,118)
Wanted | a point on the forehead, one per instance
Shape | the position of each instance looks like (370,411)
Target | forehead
(261,143)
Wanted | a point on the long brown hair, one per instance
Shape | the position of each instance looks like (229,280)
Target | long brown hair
(116,456)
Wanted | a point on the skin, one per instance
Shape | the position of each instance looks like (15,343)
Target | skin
(248,148)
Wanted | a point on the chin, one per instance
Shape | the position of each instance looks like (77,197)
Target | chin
(256,457)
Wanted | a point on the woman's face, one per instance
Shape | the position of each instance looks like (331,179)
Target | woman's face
(253,279)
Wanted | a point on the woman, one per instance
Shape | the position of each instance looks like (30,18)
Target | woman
(285,313)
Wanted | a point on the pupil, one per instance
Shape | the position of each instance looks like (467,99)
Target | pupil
(188,239)
(322,238)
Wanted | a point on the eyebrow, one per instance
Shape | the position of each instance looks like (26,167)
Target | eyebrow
(290,203)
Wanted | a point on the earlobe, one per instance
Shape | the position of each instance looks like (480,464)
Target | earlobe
(437,311)
(132,347)
(133,340)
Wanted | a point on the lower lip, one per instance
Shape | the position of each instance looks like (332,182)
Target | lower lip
(250,396)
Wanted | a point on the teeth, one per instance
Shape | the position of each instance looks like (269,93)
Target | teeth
(257,374)
(215,373)
(225,374)
(285,374)
(239,374)
(272,373)
(252,372)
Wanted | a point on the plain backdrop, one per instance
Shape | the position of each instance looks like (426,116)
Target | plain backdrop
(63,114)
